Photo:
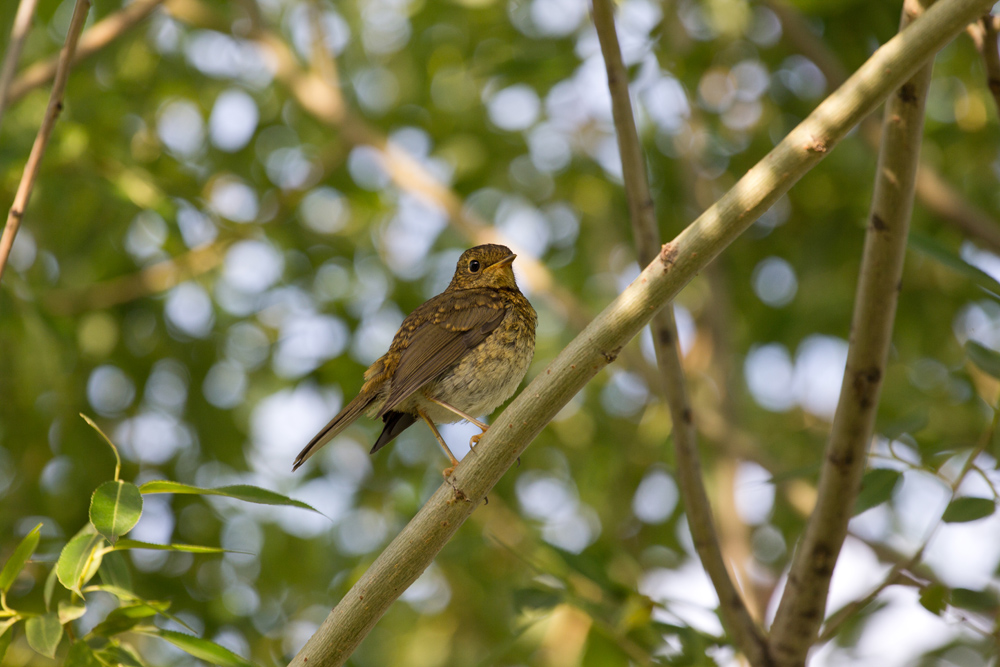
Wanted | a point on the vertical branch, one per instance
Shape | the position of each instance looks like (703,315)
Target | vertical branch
(804,601)
(44,132)
(18,33)
(748,637)
(990,50)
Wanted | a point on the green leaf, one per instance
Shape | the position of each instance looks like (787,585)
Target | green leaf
(984,358)
(601,651)
(80,559)
(130,597)
(950,259)
(16,562)
(6,624)
(973,600)
(6,637)
(44,633)
(876,488)
(189,548)
(244,492)
(115,508)
(69,611)
(81,655)
(536,598)
(114,571)
(934,598)
(121,655)
(125,618)
(202,649)
(50,588)
(911,423)
(966,509)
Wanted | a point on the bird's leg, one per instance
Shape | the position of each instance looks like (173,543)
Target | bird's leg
(464,415)
(474,440)
(444,445)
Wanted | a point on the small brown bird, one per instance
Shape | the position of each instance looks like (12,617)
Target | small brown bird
(460,354)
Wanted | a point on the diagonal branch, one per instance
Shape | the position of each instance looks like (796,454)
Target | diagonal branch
(55,106)
(803,603)
(153,279)
(932,190)
(18,33)
(409,554)
(747,636)
(93,40)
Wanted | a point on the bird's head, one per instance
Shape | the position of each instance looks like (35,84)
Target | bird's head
(485,266)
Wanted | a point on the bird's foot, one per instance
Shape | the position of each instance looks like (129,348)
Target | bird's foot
(447,472)
(474,440)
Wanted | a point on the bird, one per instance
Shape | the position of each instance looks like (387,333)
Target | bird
(457,356)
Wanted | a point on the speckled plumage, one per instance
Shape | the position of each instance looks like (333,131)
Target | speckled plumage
(468,347)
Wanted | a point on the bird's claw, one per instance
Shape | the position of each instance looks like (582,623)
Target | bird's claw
(474,440)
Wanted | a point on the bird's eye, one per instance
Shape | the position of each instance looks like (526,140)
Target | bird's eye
(474,266)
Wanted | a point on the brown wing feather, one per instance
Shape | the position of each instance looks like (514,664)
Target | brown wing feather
(440,343)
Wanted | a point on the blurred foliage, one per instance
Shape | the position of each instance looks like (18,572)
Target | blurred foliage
(209,266)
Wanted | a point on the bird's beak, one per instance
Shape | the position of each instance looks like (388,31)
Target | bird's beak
(506,261)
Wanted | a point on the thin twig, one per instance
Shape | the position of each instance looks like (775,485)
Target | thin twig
(18,33)
(321,58)
(795,29)
(747,635)
(153,279)
(849,610)
(989,47)
(44,132)
(800,612)
(904,566)
(93,40)
(932,190)
(412,551)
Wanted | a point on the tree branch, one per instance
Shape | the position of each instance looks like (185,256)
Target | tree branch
(932,190)
(93,40)
(989,48)
(409,554)
(802,38)
(18,33)
(153,279)
(44,132)
(747,636)
(905,568)
(802,606)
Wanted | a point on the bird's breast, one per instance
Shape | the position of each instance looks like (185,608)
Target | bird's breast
(490,373)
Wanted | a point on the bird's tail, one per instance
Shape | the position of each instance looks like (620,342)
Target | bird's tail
(343,419)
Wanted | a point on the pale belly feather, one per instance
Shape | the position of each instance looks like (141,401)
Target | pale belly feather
(482,380)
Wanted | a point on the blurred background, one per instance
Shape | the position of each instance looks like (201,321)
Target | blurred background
(242,200)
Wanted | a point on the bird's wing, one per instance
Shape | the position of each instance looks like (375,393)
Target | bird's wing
(447,334)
